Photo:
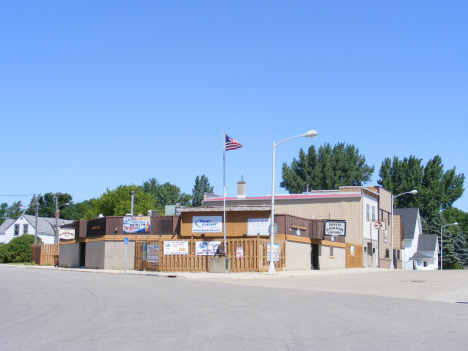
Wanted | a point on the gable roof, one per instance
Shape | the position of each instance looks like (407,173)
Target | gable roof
(44,225)
(5,225)
(409,216)
(427,242)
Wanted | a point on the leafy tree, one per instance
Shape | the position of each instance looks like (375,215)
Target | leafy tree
(165,194)
(202,186)
(18,249)
(47,204)
(77,210)
(3,212)
(117,202)
(437,190)
(12,211)
(327,169)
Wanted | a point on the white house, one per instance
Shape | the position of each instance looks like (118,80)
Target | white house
(427,257)
(3,227)
(413,228)
(26,224)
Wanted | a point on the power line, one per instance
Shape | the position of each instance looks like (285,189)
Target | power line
(20,195)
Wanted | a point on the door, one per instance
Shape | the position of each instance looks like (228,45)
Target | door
(314,256)
(82,254)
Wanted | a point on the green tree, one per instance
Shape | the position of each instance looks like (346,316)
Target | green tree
(117,202)
(437,190)
(12,211)
(202,186)
(77,210)
(47,204)
(326,169)
(165,194)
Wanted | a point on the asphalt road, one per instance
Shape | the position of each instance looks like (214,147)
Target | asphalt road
(65,310)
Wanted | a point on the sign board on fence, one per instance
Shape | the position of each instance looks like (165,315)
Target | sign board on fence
(152,253)
(240,252)
(176,247)
(378,225)
(337,228)
(136,225)
(126,241)
(258,226)
(276,252)
(143,255)
(206,248)
(67,233)
(207,224)
(351,250)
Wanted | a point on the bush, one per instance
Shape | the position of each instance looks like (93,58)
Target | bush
(18,249)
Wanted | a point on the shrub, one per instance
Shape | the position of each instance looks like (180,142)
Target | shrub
(18,249)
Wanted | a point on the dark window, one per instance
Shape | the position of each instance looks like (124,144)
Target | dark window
(387,253)
(16,229)
(373,214)
(397,254)
(367,213)
(25,228)
(425,264)
(332,253)
(365,249)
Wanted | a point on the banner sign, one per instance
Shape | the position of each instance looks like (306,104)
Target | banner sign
(206,248)
(176,247)
(378,225)
(258,226)
(240,252)
(276,252)
(152,253)
(207,224)
(143,256)
(66,233)
(337,228)
(136,225)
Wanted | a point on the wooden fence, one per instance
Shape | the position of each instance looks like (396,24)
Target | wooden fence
(353,256)
(44,254)
(254,256)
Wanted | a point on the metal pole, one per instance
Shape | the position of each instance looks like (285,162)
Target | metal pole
(132,193)
(56,220)
(391,240)
(125,259)
(36,214)
(271,268)
(441,247)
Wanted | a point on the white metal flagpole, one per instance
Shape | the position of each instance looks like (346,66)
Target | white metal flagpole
(224,189)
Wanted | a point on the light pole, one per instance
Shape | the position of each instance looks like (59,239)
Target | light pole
(271,267)
(392,264)
(442,244)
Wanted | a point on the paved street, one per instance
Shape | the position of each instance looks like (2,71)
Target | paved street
(56,309)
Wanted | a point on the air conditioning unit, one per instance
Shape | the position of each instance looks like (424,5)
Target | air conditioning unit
(153,213)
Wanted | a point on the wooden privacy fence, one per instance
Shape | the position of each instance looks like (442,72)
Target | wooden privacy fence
(353,256)
(44,254)
(246,254)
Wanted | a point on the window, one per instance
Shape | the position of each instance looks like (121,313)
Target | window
(425,264)
(25,228)
(373,213)
(16,229)
(332,253)
(397,254)
(365,249)
(367,213)
(387,253)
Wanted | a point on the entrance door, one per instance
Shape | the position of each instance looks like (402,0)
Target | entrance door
(314,256)
(82,254)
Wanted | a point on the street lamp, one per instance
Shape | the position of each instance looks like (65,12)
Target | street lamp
(392,264)
(309,134)
(442,243)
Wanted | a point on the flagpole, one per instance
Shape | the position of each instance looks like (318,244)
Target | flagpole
(224,189)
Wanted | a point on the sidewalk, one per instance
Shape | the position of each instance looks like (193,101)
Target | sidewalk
(217,276)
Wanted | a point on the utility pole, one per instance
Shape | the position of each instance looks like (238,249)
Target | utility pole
(36,205)
(57,239)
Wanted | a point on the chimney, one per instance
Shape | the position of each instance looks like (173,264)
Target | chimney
(241,189)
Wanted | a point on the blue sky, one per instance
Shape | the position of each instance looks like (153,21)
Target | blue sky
(94,94)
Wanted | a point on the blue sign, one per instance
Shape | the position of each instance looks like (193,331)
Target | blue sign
(126,241)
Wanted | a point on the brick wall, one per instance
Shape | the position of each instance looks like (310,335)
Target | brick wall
(69,255)
(95,254)
(297,256)
(115,255)
(336,262)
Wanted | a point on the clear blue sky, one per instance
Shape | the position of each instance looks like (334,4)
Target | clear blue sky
(94,94)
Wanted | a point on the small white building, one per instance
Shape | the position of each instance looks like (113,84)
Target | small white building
(427,256)
(26,224)
(3,227)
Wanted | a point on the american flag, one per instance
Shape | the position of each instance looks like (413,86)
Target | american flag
(231,144)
